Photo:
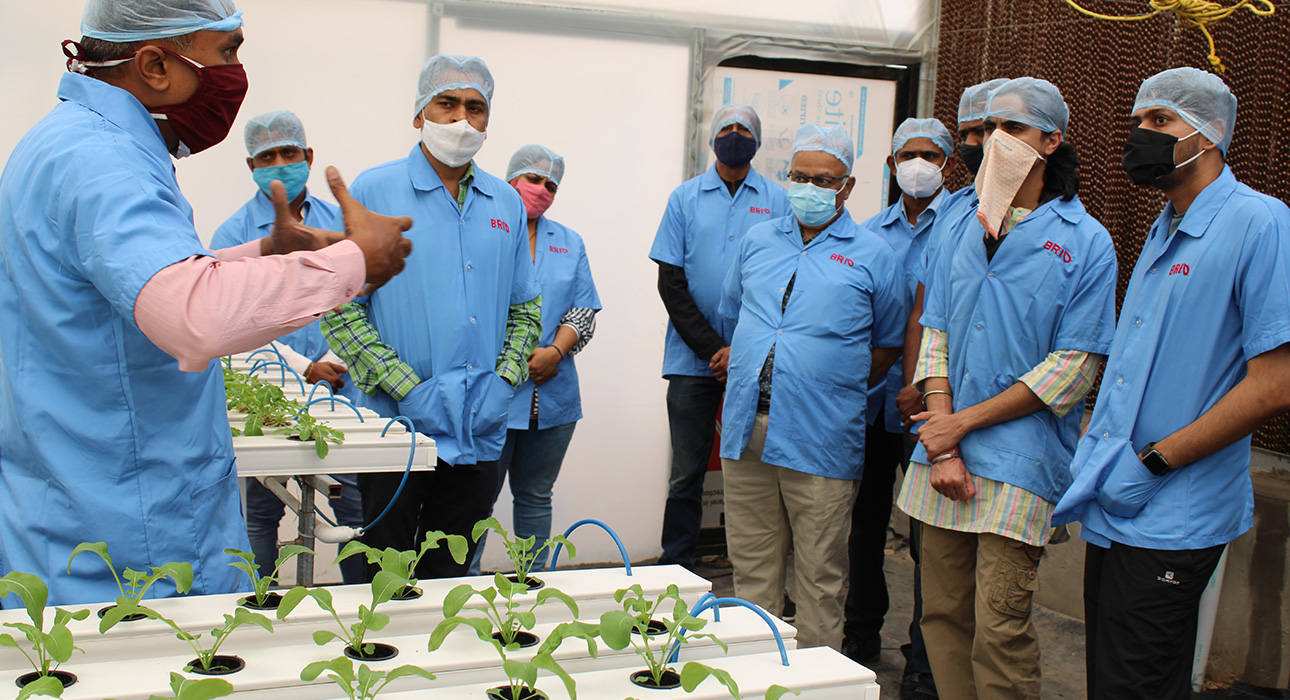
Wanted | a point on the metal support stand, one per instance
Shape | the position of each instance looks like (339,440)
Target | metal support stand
(303,507)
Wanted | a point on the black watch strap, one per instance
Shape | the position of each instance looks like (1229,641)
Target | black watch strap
(1153,460)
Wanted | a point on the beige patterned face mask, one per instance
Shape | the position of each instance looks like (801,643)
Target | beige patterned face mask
(1008,160)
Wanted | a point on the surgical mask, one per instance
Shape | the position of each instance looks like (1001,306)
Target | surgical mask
(293,176)
(1149,155)
(918,178)
(972,156)
(451,144)
(1007,162)
(537,198)
(204,119)
(812,205)
(734,149)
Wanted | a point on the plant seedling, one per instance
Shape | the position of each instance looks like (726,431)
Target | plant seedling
(521,676)
(266,406)
(404,563)
(205,689)
(617,627)
(366,683)
(521,552)
(260,584)
(136,583)
(48,649)
(384,586)
(206,656)
(510,619)
(694,673)
(305,427)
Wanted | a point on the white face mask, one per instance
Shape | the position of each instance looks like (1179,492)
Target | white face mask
(1008,161)
(452,144)
(918,178)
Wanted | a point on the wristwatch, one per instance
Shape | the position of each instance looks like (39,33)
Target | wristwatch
(1153,460)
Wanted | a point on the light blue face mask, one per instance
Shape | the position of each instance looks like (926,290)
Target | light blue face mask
(812,205)
(292,175)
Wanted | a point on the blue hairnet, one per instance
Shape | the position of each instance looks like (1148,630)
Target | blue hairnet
(126,21)
(735,114)
(1030,101)
(972,103)
(538,160)
(1201,99)
(834,141)
(923,128)
(445,72)
(273,130)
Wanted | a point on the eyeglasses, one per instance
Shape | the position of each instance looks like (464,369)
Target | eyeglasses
(825,181)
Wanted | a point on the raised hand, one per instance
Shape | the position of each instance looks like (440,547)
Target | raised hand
(289,235)
(380,237)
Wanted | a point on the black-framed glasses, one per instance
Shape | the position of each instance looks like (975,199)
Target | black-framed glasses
(826,181)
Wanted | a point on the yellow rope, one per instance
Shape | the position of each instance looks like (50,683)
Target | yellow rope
(1192,13)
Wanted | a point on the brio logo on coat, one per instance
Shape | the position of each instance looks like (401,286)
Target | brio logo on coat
(1180,269)
(843,259)
(758,210)
(498,223)
(1059,251)
(558,250)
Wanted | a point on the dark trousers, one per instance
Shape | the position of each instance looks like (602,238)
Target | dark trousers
(867,601)
(1141,608)
(692,407)
(449,498)
(918,668)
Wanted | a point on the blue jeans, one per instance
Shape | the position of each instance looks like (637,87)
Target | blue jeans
(532,458)
(264,513)
(692,407)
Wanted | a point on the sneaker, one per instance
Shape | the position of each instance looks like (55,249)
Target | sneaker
(866,653)
(790,610)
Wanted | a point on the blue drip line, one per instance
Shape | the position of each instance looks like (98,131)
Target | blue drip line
(412,454)
(710,601)
(284,369)
(627,564)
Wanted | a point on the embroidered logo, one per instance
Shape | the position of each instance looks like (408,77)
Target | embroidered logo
(843,259)
(1059,251)
(758,210)
(498,223)
(1180,269)
(1168,578)
(558,250)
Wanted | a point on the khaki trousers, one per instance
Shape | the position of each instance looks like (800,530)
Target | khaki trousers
(767,509)
(977,594)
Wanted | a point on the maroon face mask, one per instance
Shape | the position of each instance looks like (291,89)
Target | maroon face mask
(205,119)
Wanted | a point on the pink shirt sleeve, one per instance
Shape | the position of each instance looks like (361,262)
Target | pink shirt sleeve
(202,308)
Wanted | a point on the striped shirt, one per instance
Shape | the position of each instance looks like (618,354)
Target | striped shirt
(1061,381)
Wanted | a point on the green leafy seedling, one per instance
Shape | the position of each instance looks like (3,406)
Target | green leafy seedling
(306,428)
(404,563)
(260,584)
(46,686)
(384,586)
(133,584)
(511,617)
(47,649)
(205,689)
(521,675)
(366,683)
(206,655)
(521,552)
(617,627)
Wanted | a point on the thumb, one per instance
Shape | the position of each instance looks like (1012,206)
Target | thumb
(281,209)
(919,417)
(341,192)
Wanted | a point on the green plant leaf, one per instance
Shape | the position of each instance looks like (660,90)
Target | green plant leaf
(321,448)
(242,616)
(524,672)
(321,637)
(408,670)
(342,667)
(204,689)
(548,593)
(694,673)
(545,662)
(775,692)
(45,685)
(484,525)
(355,547)
(31,590)
(181,572)
(458,547)
(616,628)
(483,629)
(290,600)
(385,585)
(456,599)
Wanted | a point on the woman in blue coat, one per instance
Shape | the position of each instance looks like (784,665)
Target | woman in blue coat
(547,406)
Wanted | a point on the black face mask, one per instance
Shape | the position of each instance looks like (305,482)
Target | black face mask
(734,149)
(1149,155)
(972,157)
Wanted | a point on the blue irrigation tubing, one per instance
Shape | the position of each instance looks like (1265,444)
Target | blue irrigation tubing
(331,392)
(332,399)
(716,612)
(273,352)
(627,563)
(283,382)
(412,454)
(716,602)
